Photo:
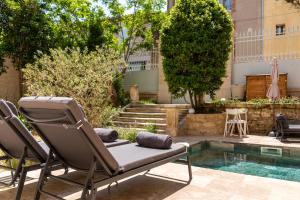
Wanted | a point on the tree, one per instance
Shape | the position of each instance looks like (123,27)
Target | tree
(136,24)
(95,34)
(83,75)
(196,43)
(72,21)
(29,26)
(24,30)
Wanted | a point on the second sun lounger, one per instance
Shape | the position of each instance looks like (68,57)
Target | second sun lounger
(60,123)
(17,143)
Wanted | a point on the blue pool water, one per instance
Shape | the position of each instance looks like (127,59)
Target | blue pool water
(246,159)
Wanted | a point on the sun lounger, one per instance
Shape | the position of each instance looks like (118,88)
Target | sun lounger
(16,142)
(61,124)
(288,130)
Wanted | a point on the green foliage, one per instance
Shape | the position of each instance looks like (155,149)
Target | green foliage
(288,100)
(151,128)
(282,101)
(85,76)
(74,22)
(29,26)
(147,101)
(220,102)
(24,30)
(25,122)
(139,29)
(122,98)
(96,34)
(127,133)
(196,42)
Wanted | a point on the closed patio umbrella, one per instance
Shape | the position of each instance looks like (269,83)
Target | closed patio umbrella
(273,91)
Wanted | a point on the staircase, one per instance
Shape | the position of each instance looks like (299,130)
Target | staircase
(139,116)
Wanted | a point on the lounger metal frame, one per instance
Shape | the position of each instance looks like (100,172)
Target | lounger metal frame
(90,185)
(22,169)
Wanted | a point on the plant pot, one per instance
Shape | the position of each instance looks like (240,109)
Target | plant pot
(191,111)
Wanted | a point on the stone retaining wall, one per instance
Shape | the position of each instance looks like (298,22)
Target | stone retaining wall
(260,119)
(203,124)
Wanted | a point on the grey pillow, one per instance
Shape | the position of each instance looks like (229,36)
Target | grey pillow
(156,141)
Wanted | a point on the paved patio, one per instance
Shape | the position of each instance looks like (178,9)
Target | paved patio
(249,139)
(207,184)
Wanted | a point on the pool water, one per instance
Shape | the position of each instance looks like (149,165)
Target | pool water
(245,159)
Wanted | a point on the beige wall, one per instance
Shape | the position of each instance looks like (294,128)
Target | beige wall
(10,83)
(225,90)
(247,15)
(279,12)
(164,95)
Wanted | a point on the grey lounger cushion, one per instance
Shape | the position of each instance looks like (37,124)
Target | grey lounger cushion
(77,151)
(14,135)
(131,156)
(151,140)
(107,134)
(116,143)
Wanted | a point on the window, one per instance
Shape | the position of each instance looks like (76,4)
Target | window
(280,29)
(137,66)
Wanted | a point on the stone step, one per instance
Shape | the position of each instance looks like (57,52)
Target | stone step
(145,110)
(142,119)
(179,106)
(157,131)
(139,125)
(143,115)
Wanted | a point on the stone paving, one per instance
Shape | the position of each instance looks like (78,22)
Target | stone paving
(207,184)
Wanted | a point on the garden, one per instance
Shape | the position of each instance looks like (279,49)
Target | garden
(72,57)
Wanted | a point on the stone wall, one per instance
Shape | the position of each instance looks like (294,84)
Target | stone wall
(10,83)
(203,124)
(260,119)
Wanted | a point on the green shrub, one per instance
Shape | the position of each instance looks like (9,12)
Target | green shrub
(220,102)
(85,76)
(151,128)
(196,42)
(122,98)
(25,122)
(127,133)
(147,101)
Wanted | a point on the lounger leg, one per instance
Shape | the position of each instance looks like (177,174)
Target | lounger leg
(19,168)
(12,172)
(21,184)
(42,178)
(88,180)
(189,168)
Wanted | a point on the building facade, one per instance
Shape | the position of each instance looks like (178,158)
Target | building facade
(282,29)
(263,29)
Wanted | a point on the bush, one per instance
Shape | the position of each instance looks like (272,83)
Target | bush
(127,133)
(196,41)
(121,98)
(85,76)
(151,128)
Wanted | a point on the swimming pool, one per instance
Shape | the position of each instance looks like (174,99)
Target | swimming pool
(248,159)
